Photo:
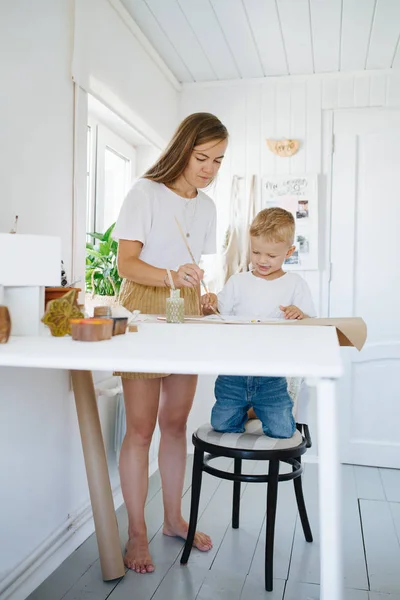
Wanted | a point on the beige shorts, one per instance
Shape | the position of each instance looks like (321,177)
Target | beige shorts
(150,300)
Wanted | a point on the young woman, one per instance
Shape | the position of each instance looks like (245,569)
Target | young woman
(149,244)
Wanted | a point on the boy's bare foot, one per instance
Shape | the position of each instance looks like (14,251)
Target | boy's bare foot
(201,540)
(137,556)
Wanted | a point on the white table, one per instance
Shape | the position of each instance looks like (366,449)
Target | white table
(311,352)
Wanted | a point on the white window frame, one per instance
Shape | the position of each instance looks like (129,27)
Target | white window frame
(103,138)
(91,177)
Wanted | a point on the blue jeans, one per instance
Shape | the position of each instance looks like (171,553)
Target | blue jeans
(268,396)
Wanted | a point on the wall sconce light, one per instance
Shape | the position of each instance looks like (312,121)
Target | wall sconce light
(283,148)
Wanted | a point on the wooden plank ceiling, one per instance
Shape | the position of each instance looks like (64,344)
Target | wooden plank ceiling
(209,40)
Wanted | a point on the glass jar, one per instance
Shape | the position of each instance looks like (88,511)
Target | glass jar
(175,307)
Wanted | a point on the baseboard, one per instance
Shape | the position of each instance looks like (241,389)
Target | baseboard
(30,573)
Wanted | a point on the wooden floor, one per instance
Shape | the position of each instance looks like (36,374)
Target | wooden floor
(233,570)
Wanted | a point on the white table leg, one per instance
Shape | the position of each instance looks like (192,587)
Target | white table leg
(329,493)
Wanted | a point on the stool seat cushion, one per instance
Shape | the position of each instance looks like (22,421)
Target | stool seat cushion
(252,439)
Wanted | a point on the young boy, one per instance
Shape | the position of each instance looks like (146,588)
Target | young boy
(263,293)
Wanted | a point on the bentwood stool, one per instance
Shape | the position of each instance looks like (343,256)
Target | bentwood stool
(253,444)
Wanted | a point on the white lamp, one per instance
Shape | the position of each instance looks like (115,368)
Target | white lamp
(28,263)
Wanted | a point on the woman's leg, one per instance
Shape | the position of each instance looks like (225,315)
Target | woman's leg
(176,401)
(141,405)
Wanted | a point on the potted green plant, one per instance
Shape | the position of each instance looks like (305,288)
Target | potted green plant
(102,279)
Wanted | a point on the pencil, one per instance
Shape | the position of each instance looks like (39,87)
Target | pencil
(194,261)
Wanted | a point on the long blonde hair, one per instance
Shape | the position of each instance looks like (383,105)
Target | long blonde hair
(196,129)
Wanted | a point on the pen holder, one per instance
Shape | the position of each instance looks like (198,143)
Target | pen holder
(175,307)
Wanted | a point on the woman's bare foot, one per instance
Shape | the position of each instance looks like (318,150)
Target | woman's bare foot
(137,556)
(201,540)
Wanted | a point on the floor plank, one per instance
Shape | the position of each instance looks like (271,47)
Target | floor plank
(236,551)
(253,589)
(305,562)
(224,585)
(308,591)
(355,569)
(182,582)
(381,546)
(76,565)
(216,520)
(378,596)
(234,568)
(91,585)
(391,484)
(369,483)
(395,511)
(164,550)
(68,573)
(286,515)
(85,582)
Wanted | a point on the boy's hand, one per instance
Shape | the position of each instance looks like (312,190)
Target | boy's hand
(209,304)
(292,312)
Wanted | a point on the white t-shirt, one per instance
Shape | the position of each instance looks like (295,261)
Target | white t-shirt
(148,216)
(245,295)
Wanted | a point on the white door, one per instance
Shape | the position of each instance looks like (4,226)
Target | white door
(366,279)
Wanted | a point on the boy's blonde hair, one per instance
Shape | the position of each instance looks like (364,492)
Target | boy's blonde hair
(275,225)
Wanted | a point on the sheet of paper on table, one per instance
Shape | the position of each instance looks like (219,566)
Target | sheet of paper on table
(351,331)
(232,320)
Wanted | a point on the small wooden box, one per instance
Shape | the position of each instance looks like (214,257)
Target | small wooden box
(120,325)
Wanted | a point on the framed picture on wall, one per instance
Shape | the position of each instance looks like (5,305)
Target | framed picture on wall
(298,195)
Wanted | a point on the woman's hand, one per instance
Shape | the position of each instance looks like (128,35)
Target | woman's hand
(209,304)
(188,275)
(292,312)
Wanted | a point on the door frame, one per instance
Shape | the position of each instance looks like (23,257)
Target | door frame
(325,211)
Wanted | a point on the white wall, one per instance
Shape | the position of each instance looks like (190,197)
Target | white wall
(110,63)
(36,105)
(43,491)
(42,479)
(292,107)
(113,62)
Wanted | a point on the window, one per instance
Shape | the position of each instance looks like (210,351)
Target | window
(111,170)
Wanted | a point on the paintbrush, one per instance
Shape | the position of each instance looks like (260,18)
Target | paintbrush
(194,262)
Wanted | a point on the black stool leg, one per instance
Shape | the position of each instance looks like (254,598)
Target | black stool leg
(236,494)
(194,503)
(272,496)
(301,505)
